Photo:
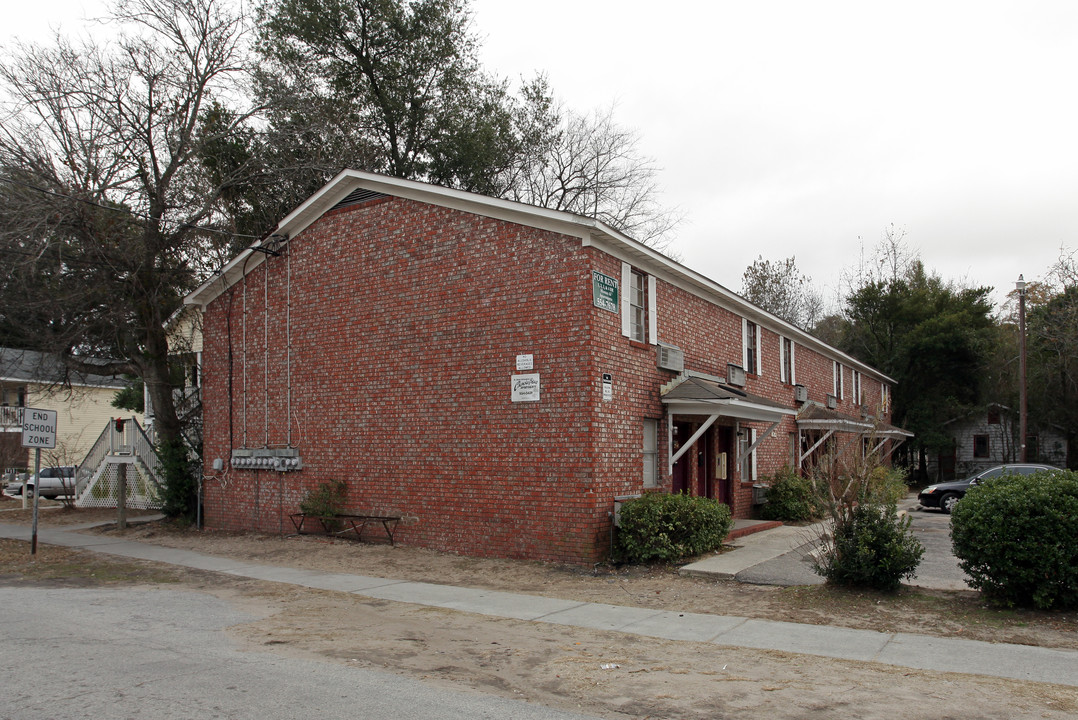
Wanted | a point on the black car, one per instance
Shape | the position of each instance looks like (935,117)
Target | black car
(945,495)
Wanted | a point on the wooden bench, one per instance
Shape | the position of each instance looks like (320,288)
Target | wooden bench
(352,522)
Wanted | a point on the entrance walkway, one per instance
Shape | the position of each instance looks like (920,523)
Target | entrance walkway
(1019,662)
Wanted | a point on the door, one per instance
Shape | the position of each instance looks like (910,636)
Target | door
(682,471)
(723,469)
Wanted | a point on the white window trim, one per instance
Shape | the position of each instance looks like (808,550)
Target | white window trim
(858,391)
(653,314)
(651,455)
(837,379)
(751,440)
(758,371)
(792,380)
(651,329)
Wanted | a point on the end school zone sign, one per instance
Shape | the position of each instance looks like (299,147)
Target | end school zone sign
(38,428)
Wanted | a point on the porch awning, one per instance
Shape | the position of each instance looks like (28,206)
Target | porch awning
(817,417)
(701,396)
(890,432)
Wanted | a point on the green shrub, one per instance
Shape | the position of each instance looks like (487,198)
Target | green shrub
(791,498)
(179,483)
(664,527)
(325,501)
(870,547)
(1017,538)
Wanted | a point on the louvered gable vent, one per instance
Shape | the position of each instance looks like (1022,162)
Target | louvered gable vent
(359,195)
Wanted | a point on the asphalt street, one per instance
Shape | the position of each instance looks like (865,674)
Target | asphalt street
(124,652)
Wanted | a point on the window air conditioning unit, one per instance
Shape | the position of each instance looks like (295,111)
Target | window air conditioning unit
(832,402)
(670,358)
(801,393)
(735,375)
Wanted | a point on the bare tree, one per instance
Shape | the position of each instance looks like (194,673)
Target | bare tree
(107,211)
(782,289)
(589,165)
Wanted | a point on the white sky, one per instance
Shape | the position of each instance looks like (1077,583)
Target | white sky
(786,127)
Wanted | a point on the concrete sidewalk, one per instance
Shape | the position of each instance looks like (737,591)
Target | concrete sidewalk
(754,549)
(1020,662)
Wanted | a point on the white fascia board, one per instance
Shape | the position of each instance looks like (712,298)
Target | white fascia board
(727,408)
(348,181)
(591,232)
(680,276)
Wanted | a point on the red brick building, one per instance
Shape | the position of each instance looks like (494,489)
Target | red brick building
(497,373)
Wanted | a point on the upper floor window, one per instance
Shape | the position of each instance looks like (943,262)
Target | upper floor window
(787,369)
(837,390)
(638,318)
(750,345)
(857,397)
(885,398)
(13,396)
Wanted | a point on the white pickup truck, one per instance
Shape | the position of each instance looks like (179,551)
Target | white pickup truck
(55,482)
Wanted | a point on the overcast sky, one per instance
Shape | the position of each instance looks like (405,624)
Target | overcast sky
(787,127)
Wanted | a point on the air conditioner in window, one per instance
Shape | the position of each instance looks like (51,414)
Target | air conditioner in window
(735,375)
(801,393)
(832,402)
(670,357)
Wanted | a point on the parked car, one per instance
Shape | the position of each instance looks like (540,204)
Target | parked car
(945,495)
(55,482)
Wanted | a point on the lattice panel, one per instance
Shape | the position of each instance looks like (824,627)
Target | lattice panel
(103,491)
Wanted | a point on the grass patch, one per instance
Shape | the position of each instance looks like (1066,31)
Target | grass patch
(73,567)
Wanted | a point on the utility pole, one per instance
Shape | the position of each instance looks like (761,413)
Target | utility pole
(1022,416)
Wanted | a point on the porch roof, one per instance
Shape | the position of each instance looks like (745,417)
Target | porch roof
(817,417)
(702,396)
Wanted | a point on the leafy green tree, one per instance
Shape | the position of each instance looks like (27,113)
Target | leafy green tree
(933,338)
(395,87)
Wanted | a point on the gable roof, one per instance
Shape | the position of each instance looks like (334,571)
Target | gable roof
(46,369)
(355,186)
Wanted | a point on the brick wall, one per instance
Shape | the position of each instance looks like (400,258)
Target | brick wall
(381,344)
(405,321)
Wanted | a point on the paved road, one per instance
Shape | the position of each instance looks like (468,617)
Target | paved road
(111,653)
(1019,662)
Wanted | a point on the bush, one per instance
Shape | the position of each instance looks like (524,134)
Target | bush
(664,527)
(791,498)
(870,547)
(325,501)
(179,483)
(1017,538)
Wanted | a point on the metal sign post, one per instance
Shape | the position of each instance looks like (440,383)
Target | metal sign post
(38,431)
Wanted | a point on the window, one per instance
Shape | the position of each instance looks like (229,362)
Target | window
(787,370)
(638,317)
(993,416)
(651,453)
(885,398)
(857,397)
(747,461)
(638,304)
(980,446)
(838,380)
(750,347)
